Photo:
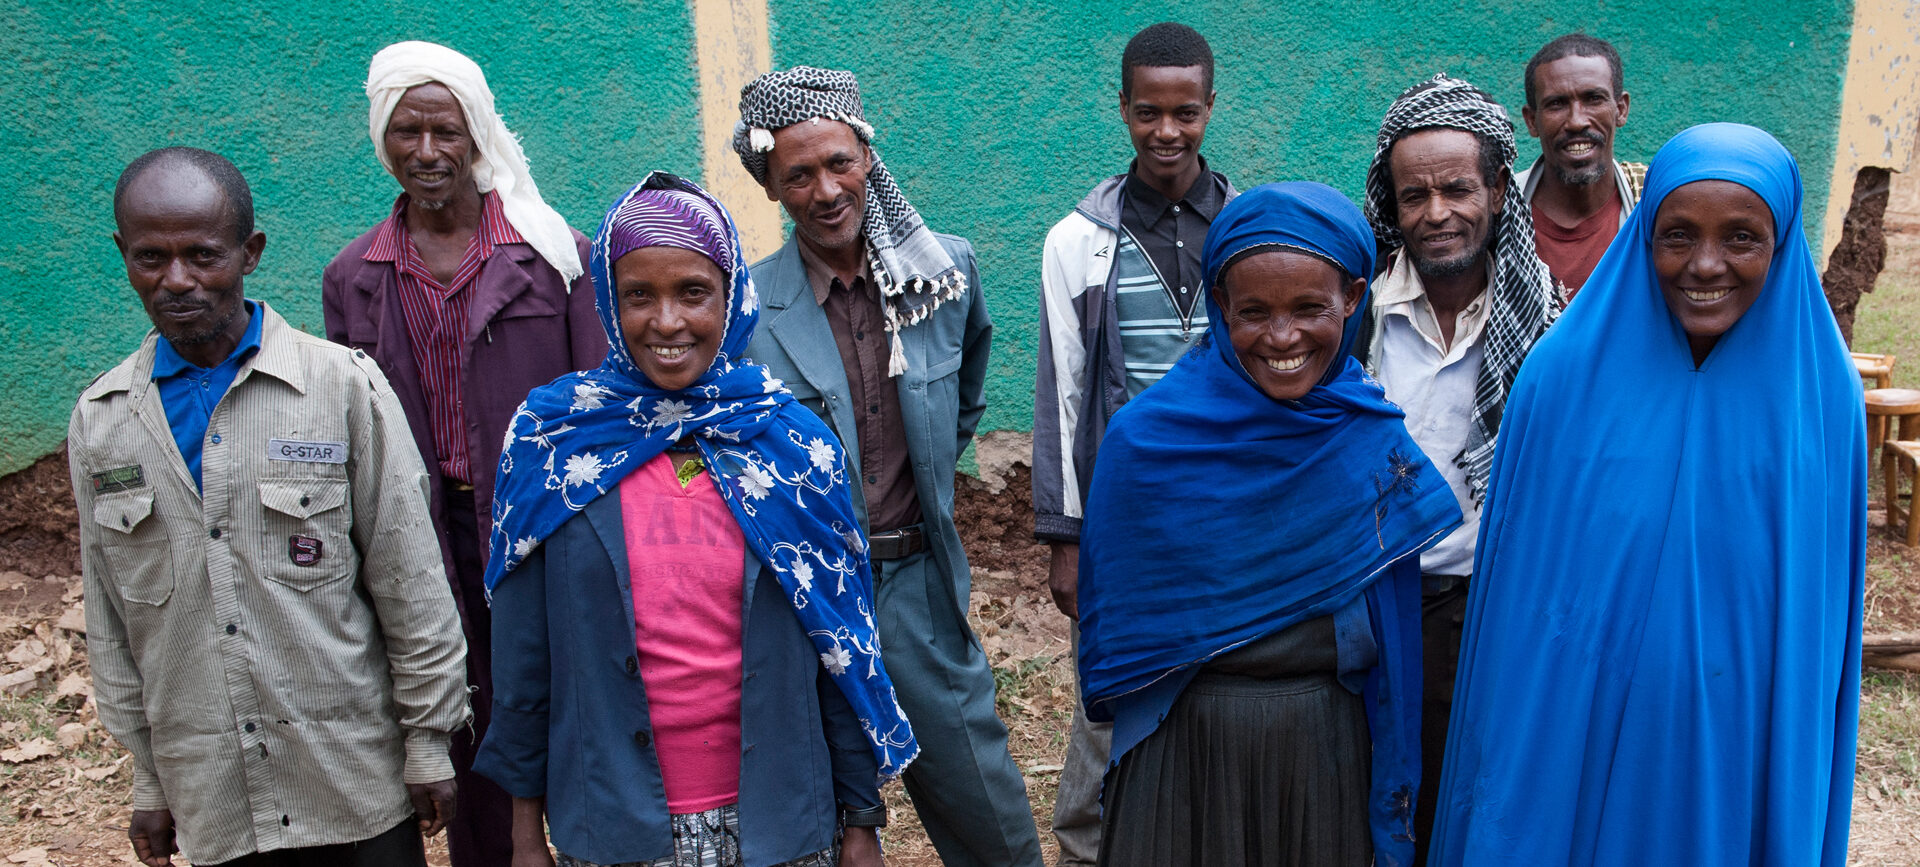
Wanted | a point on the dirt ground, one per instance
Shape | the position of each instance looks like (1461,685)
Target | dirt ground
(64,783)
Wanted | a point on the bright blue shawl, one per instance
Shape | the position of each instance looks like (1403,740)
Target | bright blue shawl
(1219,516)
(1662,648)
(777,464)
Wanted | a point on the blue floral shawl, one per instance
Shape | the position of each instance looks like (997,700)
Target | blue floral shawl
(779,467)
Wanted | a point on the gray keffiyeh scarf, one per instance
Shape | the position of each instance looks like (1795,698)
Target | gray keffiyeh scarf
(914,273)
(1519,287)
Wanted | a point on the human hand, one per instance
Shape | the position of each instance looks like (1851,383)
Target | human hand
(859,847)
(152,834)
(433,804)
(1063,577)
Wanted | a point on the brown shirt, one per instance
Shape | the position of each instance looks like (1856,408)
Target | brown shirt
(860,332)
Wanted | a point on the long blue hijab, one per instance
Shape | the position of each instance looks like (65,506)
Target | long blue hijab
(777,465)
(1662,649)
(1218,515)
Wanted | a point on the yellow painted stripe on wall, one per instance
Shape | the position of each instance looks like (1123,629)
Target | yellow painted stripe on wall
(1880,106)
(733,46)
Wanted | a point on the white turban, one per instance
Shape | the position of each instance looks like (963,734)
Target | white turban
(499,164)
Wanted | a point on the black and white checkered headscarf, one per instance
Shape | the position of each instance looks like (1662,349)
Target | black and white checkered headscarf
(1520,288)
(914,273)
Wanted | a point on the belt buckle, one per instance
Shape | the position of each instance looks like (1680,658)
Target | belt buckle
(895,544)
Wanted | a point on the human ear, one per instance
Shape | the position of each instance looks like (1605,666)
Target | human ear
(255,244)
(1356,290)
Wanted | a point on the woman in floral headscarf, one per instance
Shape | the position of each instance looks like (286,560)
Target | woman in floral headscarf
(686,673)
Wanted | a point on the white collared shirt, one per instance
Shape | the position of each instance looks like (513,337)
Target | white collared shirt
(1434,381)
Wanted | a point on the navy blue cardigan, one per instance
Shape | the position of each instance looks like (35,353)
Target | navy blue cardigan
(570,715)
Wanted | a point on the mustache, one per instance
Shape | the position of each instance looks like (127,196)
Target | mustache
(1589,136)
(835,205)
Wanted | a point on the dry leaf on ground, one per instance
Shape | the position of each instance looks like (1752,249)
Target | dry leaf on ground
(38,748)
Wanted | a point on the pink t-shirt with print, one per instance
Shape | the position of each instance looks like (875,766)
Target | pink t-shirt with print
(686,552)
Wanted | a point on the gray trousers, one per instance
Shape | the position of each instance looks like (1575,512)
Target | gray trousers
(1076,807)
(970,796)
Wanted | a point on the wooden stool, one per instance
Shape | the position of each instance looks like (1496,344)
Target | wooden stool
(1887,403)
(1878,368)
(1901,455)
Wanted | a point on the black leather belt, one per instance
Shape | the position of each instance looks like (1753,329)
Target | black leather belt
(896,544)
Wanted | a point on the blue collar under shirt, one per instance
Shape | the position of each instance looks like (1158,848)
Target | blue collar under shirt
(189,392)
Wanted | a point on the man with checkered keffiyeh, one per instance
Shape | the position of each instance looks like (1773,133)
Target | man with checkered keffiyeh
(1460,299)
(877,323)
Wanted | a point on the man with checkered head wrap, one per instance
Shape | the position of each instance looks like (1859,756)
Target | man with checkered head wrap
(1460,299)
(877,324)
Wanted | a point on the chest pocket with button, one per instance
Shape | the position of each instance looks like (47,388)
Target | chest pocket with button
(136,546)
(305,541)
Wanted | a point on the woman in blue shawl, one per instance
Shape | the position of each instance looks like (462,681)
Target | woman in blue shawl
(686,669)
(1250,578)
(1662,647)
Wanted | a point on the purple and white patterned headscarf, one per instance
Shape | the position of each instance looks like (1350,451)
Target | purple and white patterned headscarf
(780,469)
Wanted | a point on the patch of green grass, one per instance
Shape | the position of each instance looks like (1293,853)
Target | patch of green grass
(1013,677)
(1890,729)
(1887,318)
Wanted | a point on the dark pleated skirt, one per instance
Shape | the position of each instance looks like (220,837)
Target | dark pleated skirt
(1263,760)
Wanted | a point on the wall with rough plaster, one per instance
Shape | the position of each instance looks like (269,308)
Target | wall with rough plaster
(996,116)
(1880,105)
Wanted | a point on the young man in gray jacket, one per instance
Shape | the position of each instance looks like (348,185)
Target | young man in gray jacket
(1120,292)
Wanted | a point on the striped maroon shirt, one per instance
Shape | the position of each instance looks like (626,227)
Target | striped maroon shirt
(436,316)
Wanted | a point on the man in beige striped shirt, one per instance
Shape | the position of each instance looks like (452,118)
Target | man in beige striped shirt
(269,626)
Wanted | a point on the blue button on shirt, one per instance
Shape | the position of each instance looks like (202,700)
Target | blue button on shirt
(189,393)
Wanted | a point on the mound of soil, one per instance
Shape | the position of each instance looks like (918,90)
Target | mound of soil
(39,526)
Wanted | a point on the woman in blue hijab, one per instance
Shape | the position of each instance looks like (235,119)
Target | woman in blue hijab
(1250,578)
(1662,648)
(685,664)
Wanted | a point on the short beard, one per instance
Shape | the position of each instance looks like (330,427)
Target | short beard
(1581,177)
(1444,269)
(198,338)
(431,204)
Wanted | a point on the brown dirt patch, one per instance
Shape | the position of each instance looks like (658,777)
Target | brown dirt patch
(39,526)
(1862,250)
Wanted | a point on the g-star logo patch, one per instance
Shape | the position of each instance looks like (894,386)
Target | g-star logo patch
(304,550)
(307,452)
(119,479)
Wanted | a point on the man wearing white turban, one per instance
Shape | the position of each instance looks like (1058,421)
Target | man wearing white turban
(468,295)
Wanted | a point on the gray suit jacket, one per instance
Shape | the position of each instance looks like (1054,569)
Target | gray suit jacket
(942,394)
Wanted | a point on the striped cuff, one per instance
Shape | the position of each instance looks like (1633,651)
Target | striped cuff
(427,760)
(147,793)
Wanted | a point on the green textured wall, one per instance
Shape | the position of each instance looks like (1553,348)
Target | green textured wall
(998,116)
(278,88)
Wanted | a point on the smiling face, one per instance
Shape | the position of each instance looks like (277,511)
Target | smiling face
(1712,247)
(1285,313)
(1574,117)
(431,150)
(186,260)
(673,312)
(1166,114)
(818,172)
(1442,202)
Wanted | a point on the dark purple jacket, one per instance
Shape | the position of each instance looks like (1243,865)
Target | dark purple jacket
(525,330)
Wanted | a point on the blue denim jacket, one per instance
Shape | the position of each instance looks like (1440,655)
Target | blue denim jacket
(570,715)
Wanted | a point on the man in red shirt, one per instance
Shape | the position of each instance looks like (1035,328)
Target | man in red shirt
(1575,102)
(468,295)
